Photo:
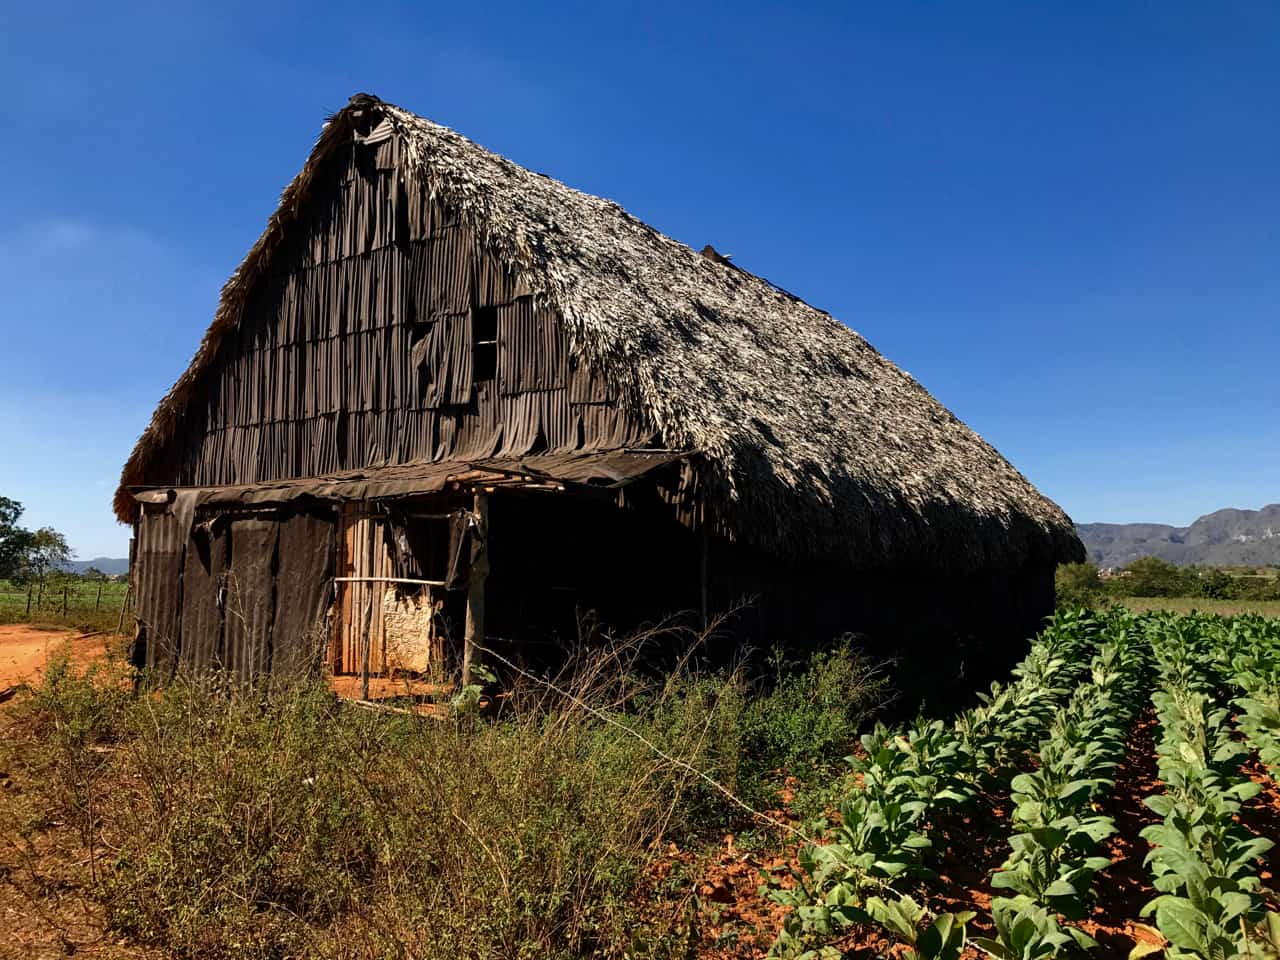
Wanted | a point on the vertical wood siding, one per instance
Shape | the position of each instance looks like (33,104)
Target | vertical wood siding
(356,350)
(204,570)
(245,594)
(304,572)
(157,583)
(250,598)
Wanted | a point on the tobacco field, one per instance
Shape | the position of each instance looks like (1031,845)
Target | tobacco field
(1030,776)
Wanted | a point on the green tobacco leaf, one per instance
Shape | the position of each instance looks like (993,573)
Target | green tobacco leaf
(1082,939)
(899,916)
(1233,905)
(1028,812)
(1075,787)
(995,948)
(1245,791)
(890,868)
(1270,929)
(945,937)
(1011,880)
(1050,838)
(1253,848)
(1182,923)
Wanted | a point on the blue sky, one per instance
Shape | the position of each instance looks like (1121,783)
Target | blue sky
(1063,219)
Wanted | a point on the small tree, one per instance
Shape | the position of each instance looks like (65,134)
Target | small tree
(1153,577)
(1077,585)
(15,541)
(47,552)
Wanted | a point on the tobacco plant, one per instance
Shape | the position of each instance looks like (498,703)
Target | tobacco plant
(1203,861)
(1056,829)
(1026,931)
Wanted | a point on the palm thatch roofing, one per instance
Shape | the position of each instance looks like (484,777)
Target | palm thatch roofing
(809,442)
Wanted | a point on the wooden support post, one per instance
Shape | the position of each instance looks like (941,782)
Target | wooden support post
(98,603)
(706,550)
(368,642)
(64,600)
(475,585)
(128,591)
(29,589)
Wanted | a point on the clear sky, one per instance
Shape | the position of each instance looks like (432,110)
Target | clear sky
(1063,219)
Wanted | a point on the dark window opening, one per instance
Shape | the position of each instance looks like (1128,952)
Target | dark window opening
(426,548)
(484,338)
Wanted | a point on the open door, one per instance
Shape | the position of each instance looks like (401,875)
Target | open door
(387,620)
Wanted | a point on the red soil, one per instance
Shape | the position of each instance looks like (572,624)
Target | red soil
(24,652)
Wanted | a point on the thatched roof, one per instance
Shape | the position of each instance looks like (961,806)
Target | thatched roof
(811,441)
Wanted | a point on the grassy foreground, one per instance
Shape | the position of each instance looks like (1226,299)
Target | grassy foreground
(280,823)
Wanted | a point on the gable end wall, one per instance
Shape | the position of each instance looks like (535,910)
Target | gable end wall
(356,350)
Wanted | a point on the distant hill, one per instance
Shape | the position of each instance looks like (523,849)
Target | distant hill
(111,566)
(1223,538)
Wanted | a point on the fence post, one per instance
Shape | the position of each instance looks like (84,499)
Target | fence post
(128,591)
(473,631)
(97,603)
(28,601)
(64,600)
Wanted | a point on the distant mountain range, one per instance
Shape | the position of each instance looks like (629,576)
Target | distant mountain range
(1223,538)
(111,566)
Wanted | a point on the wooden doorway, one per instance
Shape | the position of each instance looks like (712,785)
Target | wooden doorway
(364,569)
(388,620)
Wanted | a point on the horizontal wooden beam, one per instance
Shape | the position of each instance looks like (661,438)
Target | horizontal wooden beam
(422,583)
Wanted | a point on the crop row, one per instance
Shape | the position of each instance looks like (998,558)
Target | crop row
(910,777)
(1250,657)
(1203,861)
(1057,829)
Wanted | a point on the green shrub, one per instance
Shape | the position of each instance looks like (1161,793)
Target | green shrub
(1254,588)
(808,718)
(1078,585)
(1153,577)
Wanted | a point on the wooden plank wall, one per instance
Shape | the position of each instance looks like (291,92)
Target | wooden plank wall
(356,350)
(156,577)
(248,594)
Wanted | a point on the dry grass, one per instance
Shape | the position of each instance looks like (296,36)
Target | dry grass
(217,822)
(1225,608)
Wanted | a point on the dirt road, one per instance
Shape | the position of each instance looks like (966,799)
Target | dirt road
(46,910)
(24,651)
